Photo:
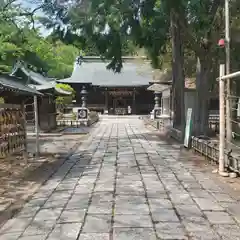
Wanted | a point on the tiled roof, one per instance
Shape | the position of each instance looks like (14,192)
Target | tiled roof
(160,76)
(41,82)
(165,77)
(156,87)
(190,83)
(37,78)
(48,86)
(12,83)
(94,72)
(41,87)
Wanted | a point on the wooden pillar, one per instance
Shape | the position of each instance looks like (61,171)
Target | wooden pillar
(37,121)
(171,103)
(134,102)
(161,105)
(106,99)
(25,149)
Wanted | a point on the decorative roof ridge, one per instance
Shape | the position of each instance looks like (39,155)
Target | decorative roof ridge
(123,57)
(37,77)
(102,59)
(17,65)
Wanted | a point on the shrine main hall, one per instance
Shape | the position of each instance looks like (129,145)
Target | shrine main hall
(109,92)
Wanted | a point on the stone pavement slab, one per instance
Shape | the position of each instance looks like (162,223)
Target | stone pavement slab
(94,236)
(134,233)
(171,230)
(124,183)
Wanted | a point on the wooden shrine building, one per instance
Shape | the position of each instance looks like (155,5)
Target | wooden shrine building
(46,102)
(12,115)
(109,92)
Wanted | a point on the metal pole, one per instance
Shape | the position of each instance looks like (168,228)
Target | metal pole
(231,75)
(221,169)
(36,124)
(228,83)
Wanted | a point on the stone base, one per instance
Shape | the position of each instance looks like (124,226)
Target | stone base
(156,112)
(84,122)
(152,115)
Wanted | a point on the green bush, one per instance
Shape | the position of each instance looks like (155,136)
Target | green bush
(74,115)
(62,101)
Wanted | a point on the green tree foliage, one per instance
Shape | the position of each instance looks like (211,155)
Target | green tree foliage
(113,27)
(65,56)
(53,55)
(9,46)
(19,41)
(54,59)
(62,101)
(191,25)
(163,27)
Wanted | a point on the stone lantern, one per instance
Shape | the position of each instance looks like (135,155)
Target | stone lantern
(157,99)
(84,97)
(82,113)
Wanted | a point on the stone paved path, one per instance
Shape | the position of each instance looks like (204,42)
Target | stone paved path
(120,185)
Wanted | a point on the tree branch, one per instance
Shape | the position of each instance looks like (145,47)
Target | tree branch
(213,14)
(197,46)
(26,14)
(8,4)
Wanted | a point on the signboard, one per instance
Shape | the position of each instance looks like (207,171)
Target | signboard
(82,113)
(188,128)
(121,93)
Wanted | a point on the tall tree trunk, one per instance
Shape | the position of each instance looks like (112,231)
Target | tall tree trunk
(201,106)
(178,75)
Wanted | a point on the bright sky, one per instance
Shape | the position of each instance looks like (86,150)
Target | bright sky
(33,4)
(27,3)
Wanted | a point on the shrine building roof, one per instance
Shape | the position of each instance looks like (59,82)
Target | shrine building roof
(92,70)
(38,82)
(9,83)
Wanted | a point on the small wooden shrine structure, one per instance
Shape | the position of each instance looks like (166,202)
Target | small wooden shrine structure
(46,102)
(12,115)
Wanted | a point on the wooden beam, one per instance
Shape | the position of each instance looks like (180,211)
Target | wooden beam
(10,106)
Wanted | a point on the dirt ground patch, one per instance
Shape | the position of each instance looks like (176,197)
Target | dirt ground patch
(19,181)
(53,144)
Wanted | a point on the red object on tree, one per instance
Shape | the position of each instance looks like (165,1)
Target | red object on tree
(221,43)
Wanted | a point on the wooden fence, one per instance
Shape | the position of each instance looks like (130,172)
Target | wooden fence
(210,149)
(69,123)
(12,129)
